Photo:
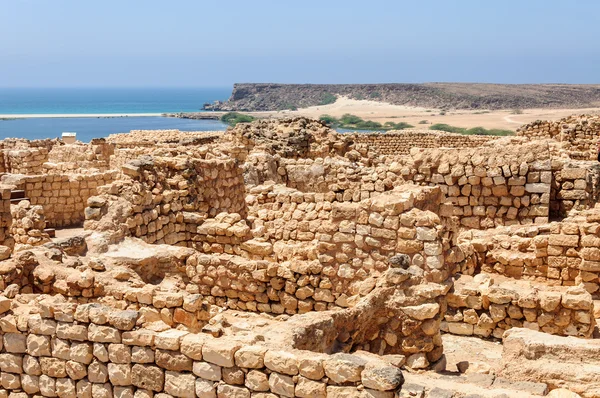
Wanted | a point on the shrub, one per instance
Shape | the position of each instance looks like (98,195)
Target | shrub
(517,111)
(423,122)
(447,127)
(329,120)
(233,118)
(350,119)
(375,94)
(471,131)
(368,125)
(401,126)
(327,98)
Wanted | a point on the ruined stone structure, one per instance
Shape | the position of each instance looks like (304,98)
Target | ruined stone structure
(282,259)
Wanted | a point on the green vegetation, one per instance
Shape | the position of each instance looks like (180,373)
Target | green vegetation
(480,112)
(375,95)
(471,131)
(286,106)
(327,98)
(517,111)
(423,122)
(329,120)
(353,122)
(233,118)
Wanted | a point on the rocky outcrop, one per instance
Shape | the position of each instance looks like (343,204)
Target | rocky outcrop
(273,97)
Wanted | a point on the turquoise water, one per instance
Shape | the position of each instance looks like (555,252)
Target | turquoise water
(107,100)
(88,128)
(50,101)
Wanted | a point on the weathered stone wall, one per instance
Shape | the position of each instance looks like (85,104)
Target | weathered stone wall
(489,305)
(138,138)
(63,196)
(575,185)
(561,253)
(317,254)
(7,242)
(578,135)
(166,198)
(28,224)
(89,350)
(95,155)
(26,161)
(401,142)
(501,184)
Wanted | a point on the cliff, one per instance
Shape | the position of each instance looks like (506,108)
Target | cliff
(270,96)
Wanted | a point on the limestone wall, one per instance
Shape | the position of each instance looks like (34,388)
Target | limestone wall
(28,224)
(575,186)
(489,305)
(7,243)
(578,135)
(560,253)
(90,350)
(63,196)
(165,195)
(401,142)
(95,155)
(316,255)
(27,161)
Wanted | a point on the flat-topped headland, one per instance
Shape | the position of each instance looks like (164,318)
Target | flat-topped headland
(273,97)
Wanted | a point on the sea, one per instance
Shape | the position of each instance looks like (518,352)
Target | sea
(102,101)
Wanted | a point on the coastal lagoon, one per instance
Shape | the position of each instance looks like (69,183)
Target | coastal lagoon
(96,127)
(18,103)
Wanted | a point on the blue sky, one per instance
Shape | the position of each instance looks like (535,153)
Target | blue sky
(71,43)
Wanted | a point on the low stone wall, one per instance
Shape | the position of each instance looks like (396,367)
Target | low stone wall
(26,161)
(63,196)
(89,350)
(401,142)
(560,253)
(78,156)
(489,305)
(578,135)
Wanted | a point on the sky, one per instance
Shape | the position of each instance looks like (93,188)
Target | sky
(193,43)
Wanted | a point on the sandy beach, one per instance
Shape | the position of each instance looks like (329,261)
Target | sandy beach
(61,115)
(425,117)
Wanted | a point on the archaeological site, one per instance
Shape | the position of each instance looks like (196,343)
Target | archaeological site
(283,259)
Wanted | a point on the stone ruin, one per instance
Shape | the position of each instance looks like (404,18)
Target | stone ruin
(282,259)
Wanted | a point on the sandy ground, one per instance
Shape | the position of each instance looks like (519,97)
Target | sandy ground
(422,117)
(33,115)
